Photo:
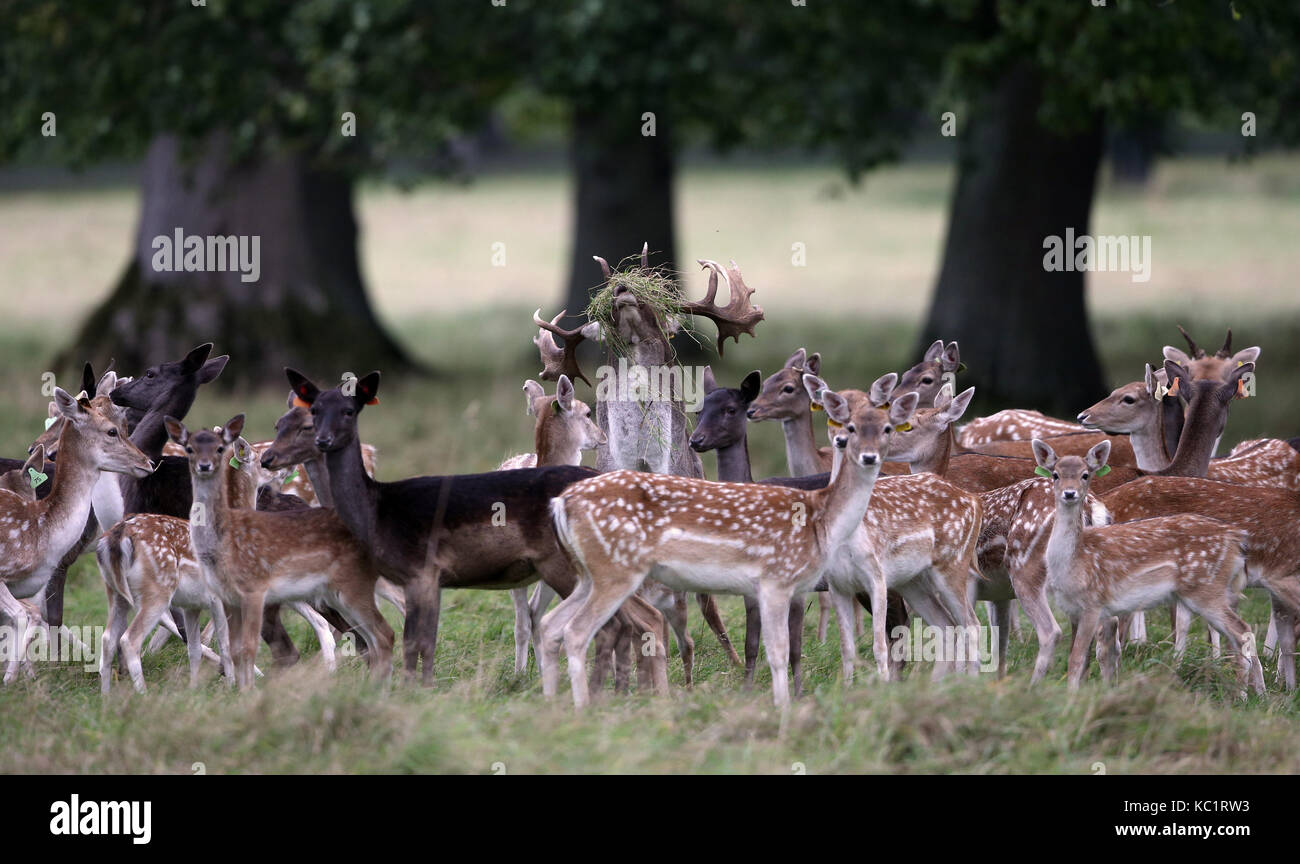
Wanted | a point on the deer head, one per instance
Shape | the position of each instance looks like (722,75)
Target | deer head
(1215,367)
(23,481)
(865,432)
(940,364)
(919,438)
(102,433)
(721,419)
(206,449)
(564,427)
(782,396)
(1071,475)
(169,387)
(334,412)
(295,438)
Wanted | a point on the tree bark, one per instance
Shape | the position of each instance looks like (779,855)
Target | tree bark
(308,307)
(1023,331)
(624,196)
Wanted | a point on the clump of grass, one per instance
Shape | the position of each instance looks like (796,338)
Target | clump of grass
(656,287)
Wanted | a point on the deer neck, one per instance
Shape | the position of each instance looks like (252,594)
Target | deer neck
(801,445)
(1171,426)
(319,475)
(149,435)
(353,491)
(936,461)
(65,510)
(1196,444)
(552,448)
(845,503)
(1149,444)
(1063,544)
(208,517)
(733,462)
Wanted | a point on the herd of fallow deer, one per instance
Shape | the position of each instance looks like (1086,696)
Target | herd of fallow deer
(902,513)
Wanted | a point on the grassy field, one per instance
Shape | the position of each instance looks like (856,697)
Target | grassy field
(1223,237)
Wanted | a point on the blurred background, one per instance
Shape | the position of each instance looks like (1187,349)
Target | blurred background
(423,175)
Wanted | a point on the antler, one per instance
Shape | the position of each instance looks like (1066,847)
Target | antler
(1226,351)
(557,361)
(1197,351)
(738,316)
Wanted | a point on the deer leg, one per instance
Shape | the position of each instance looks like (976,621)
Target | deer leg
(221,624)
(551,637)
(542,597)
(676,619)
(823,615)
(709,606)
(151,609)
(356,603)
(594,609)
(1240,639)
(119,614)
(753,631)
(283,652)
(1048,631)
(1085,629)
(652,665)
(523,627)
(1137,633)
(18,617)
(896,616)
(1182,623)
(1286,652)
(1108,648)
(844,604)
(796,643)
(249,629)
(322,628)
(1270,638)
(1000,614)
(195,644)
(774,608)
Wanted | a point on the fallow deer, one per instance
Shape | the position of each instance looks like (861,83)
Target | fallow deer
(769,541)
(249,557)
(36,535)
(1104,571)
(940,365)
(430,533)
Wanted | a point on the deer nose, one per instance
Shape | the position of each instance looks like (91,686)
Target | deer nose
(868,458)
(1083,417)
(697,442)
(750,413)
(324,441)
(841,441)
(204,467)
(267,458)
(1069,494)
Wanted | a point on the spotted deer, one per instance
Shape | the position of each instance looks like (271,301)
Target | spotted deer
(430,533)
(1105,571)
(36,535)
(651,435)
(939,366)
(251,557)
(769,541)
(147,564)
(919,540)
(23,480)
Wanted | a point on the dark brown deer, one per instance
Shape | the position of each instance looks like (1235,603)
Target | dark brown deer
(430,533)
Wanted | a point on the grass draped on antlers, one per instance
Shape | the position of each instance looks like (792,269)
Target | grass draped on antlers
(656,287)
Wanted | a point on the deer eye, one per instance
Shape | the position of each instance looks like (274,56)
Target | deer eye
(927,380)
(1127,400)
(221,449)
(112,433)
(1056,476)
(888,430)
(189,449)
(348,412)
(851,428)
(149,374)
(1085,476)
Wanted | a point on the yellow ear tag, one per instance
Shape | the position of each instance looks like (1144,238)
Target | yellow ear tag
(835,424)
(904,427)
(816,407)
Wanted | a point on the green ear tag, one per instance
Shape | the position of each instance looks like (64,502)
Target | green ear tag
(37,477)
(49,421)
(1041,471)
(293,475)
(234,462)
(1103,471)
(961,367)
(556,406)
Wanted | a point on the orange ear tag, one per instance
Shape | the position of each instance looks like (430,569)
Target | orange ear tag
(374,401)
(299,402)
(1241,390)
(1173,388)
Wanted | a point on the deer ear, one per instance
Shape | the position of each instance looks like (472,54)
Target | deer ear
(1232,387)
(814,364)
(36,460)
(943,398)
(1097,456)
(1246,355)
(176,430)
(1179,377)
(1176,355)
(951,358)
(798,360)
(564,393)
(883,387)
(934,352)
(368,390)
(750,386)
(301,386)
(837,407)
(709,382)
(107,383)
(815,387)
(958,406)
(532,390)
(1150,380)
(88,379)
(68,404)
(902,408)
(194,360)
(1044,455)
(212,368)
(233,428)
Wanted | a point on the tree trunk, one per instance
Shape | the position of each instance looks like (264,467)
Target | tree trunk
(624,196)
(1023,330)
(308,307)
